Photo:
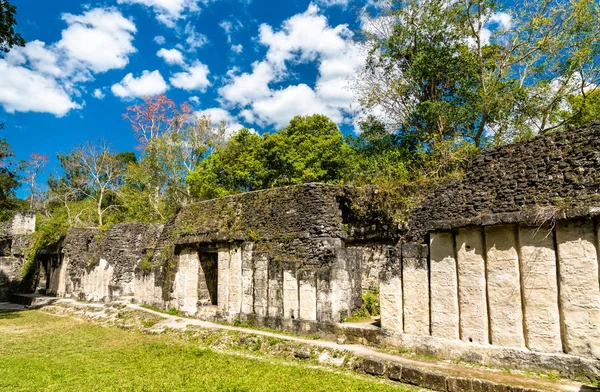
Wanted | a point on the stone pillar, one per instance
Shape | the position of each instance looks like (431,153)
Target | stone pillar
(415,279)
(275,308)
(444,286)
(540,290)
(578,286)
(470,255)
(290,294)
(504,286)
(390,297)
(235,280)
(261,284)
(324,310)
(223,279)
(185,284)
(308,295)
(247,279)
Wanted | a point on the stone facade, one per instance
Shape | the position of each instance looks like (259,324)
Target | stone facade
(499,268)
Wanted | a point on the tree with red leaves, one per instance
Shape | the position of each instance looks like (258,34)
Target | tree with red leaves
(173,141)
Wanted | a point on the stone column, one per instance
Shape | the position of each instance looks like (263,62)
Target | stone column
(308,295)
(290,293)
(261,284)
(504,286)
(275,308)
(415,280)
(223,279)
(235,280)
(390,297)
(579,288)
(185,285)
(444,286)
(540,290)
(247,279)
(470,255)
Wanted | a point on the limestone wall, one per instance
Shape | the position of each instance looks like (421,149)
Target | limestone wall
(509,286)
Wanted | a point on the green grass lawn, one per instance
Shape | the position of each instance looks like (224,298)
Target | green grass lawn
(42,352)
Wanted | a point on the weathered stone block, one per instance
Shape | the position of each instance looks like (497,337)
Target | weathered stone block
(579,287)
(261,284)
(394,371)
(540,289)
(456,384)
(504,286)
(308,295)
(290,294)
(373,366)
(415,279)
(470,254)
(423,378)
(444,286)
(390,299)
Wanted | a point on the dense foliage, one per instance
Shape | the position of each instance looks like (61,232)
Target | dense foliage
(442,80)
(8,36)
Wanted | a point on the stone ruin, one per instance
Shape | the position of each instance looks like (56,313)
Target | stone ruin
(499,267)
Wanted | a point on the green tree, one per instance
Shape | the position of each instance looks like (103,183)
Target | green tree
(9,182)
(8,36)
(476,71)
(310,148)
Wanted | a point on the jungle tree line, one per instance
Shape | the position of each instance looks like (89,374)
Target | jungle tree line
(442,80)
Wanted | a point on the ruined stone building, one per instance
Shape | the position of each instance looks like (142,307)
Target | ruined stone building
(499,267)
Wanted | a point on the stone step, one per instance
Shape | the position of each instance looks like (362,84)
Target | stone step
(32,301)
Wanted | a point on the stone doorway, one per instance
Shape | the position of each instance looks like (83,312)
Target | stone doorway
(208,277)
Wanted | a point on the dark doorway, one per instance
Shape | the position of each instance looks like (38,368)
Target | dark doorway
(208,278)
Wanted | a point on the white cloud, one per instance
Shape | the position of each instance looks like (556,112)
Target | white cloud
(237,48)
(217,115)
(284,104)
(159,39)
(149,83)
(195,78)
(168,11)
(303,38)
(503,19)
(193,39)
(101,39)
(194,99)
(98,93)
(24,90)
(328,3)
(229,27)
(171,56)
(245,88)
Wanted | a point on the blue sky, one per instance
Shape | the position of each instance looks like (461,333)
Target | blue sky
(254,63)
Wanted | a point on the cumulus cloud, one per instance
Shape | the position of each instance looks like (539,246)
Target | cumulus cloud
(159,39)
(194,99)
(25,90)
(237,48)
(303,38)
(47,78)
(193,40)
(171,56)
(168,11)
(248,87)
(101,39)
(148,83)
(194,78)
(329,3)
(98,93)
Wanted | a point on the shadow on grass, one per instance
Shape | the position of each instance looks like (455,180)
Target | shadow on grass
(7,314)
